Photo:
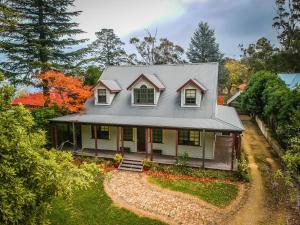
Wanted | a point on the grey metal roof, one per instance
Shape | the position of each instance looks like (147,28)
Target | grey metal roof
(154,79)
(112,85)
(207,124)
(168,111)
(235,96)
(229,115)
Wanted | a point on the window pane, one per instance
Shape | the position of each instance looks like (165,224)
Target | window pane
(189,137)
(127,134)
(190,96)
(101,96)
(144,95)
(103,132)
(157,135)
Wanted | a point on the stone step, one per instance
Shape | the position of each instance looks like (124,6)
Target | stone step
(132,162)
(131,169)
(131,165)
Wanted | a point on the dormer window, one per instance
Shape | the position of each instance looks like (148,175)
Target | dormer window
(190,96)
(191,93)
(102,96)
(143,95)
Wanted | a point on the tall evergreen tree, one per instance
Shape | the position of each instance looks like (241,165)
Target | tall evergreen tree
(40,39)
(107,49)
(203,46)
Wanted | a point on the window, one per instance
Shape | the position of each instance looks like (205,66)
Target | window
(128,134)
(102,132)
(157,135)
(101,96)
(189,137)
(143,95)
(190,96)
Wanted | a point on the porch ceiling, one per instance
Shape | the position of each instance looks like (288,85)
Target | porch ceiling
(187,123)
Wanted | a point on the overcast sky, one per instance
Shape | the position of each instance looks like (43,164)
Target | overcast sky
(234,21)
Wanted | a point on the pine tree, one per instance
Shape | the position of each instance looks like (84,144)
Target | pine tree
(107,49)
(41,38)
(203,46)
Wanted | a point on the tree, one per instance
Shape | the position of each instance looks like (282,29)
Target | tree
(71,91)
(238,73)
(151,53)
(203,46)
(31,175)
(286,22)
(39,39)
(259,56)
(251,99)
(107,49)
(92,75)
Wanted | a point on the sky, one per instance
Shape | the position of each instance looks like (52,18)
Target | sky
(234,21)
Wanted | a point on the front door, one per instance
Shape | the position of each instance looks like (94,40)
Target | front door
(141,139)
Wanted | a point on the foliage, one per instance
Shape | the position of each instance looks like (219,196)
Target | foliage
(41,117)
(182,159)
(258,56)
(151,52)
(107,49)
(251,99)
(223,74)
(71,90)
(243,171)
(38,39)
(118,158)
(31,175)
(238,73)
(203,46)
(217,193)
(93,207)
(92,75)
(292,156)
(147,164)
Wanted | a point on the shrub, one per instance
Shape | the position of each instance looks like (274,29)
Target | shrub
(243,171)
(182,160)
(147,164)
(118,158)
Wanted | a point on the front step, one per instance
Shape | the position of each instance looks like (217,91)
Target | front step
(131,165)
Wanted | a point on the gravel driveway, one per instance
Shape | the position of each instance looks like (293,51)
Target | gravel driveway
(132,191)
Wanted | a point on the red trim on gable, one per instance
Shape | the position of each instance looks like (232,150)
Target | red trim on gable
(111,91)
(195,84)
(142,76)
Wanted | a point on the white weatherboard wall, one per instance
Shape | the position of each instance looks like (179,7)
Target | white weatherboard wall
(168,146)
(110,144)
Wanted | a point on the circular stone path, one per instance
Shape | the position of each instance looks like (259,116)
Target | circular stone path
(132,191)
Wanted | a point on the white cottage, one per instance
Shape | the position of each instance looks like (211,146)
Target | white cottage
(156,112)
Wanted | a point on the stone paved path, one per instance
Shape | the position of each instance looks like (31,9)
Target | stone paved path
(132,191)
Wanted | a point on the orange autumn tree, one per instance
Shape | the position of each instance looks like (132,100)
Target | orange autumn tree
(71,92)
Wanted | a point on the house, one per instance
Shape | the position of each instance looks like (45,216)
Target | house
(156,112)
(292,80)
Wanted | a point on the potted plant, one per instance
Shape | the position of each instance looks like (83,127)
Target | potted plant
(147,164)
(117,160)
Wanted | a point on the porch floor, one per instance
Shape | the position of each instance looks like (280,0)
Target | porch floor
(161,159)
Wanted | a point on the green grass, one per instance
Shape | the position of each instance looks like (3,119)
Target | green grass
(217,193)
(93,207)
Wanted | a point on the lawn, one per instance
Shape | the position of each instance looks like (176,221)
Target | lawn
(93,207)
(219,194)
